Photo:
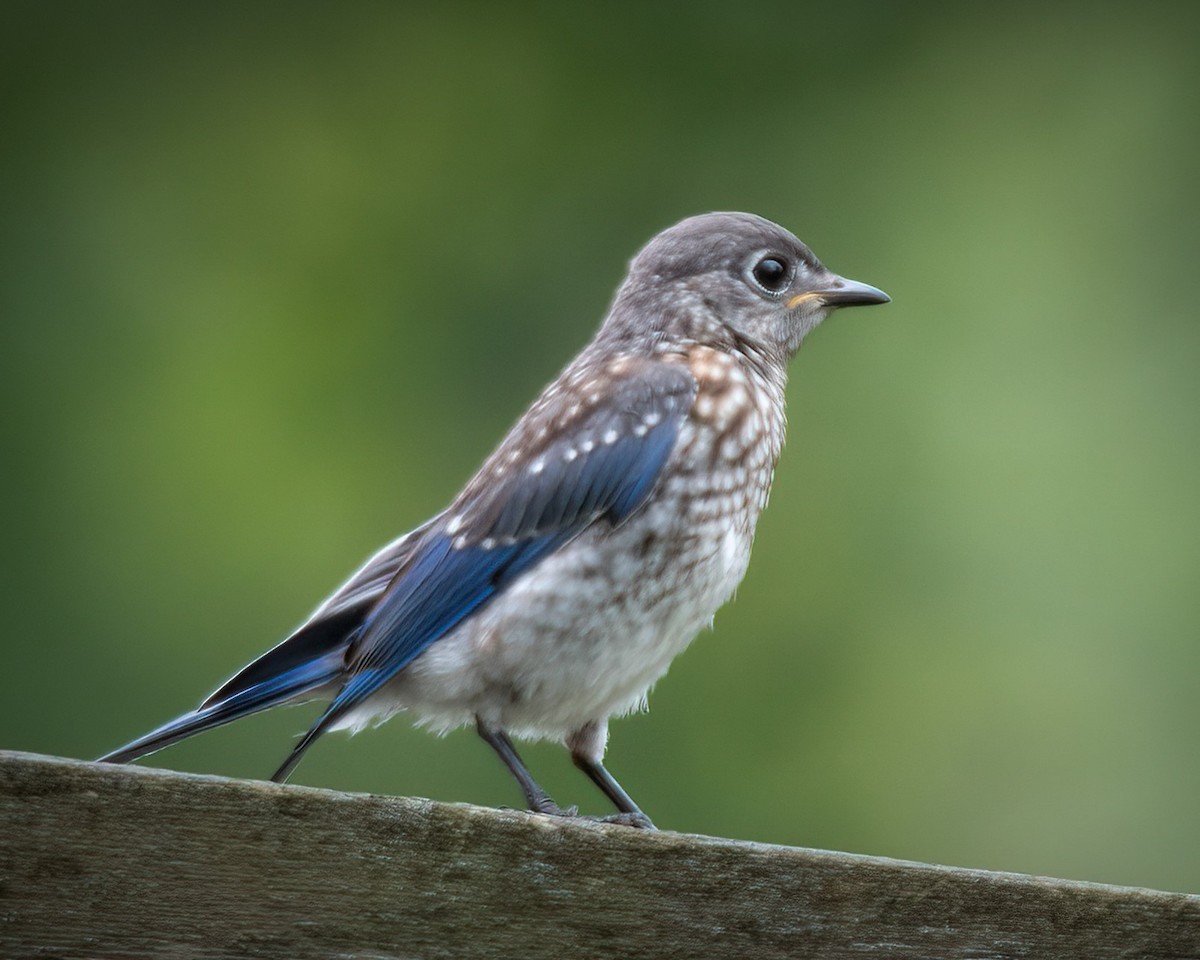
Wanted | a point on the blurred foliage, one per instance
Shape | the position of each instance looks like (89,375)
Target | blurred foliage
(276,276)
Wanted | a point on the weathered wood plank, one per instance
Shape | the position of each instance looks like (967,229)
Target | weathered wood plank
(101,861)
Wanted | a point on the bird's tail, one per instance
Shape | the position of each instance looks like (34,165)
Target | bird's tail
(290,685)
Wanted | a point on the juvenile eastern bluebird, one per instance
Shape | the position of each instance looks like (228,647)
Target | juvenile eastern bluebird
(594,543)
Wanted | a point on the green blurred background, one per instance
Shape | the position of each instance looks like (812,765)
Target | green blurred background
(276,277)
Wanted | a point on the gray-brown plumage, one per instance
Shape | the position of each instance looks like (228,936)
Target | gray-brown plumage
(602,534)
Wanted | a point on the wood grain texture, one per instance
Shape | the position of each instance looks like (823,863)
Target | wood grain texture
(104,861)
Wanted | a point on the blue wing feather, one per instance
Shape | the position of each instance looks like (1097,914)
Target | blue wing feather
(510,526)
(453,584)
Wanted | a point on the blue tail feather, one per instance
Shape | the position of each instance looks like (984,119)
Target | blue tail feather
(285,687)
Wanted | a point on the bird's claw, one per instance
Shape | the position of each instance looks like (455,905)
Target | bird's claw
(638,821)
(552,809)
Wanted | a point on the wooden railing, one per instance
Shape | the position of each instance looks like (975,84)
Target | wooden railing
(104,861)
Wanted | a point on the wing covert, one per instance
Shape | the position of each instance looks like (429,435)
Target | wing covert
(581,455)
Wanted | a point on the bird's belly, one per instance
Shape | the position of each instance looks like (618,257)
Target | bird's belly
(585,634)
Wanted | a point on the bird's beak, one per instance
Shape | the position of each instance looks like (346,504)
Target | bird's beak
(840,292)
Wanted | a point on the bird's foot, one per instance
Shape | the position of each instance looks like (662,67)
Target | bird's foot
(637,820)
(552,809)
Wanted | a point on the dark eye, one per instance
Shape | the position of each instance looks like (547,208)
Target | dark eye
(771,274)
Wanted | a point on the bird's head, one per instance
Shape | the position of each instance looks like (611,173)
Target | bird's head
(731,276)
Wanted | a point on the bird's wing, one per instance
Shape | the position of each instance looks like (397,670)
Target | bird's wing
(590,450)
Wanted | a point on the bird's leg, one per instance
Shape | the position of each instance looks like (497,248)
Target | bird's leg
(630,815)
(535,797)
(587,751)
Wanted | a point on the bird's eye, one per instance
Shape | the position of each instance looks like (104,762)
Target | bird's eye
(771,273)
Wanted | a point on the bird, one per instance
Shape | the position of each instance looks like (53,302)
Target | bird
(598,539)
